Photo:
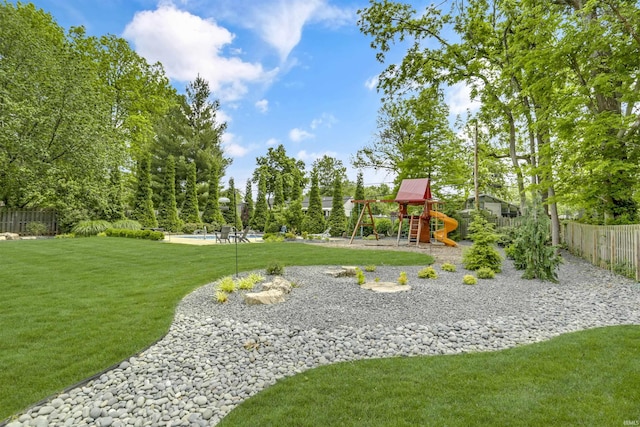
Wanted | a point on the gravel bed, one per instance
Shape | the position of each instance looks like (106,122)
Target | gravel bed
(217,355)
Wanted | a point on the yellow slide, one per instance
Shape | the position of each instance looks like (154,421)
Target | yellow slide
(450,224)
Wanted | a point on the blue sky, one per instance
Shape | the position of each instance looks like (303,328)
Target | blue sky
(291,72)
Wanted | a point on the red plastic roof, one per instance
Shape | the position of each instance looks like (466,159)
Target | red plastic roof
(414,191)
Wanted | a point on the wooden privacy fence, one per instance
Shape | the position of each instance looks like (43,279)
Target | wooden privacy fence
(614,247)
(16,220)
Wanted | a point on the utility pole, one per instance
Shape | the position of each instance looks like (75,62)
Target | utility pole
(475,165)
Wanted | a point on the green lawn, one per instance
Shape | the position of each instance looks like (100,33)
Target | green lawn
(589,378)
(73,307)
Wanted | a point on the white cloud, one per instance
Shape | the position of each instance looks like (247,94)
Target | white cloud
(231,147)
(222,117)
(297,135)
(272,142)
(262,105)
(372,83)
(280,22)
(325,119)
(188,45)
(459,99)
(309,157)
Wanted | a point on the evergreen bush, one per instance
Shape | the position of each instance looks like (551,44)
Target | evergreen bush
(485,273)
(313,221)
(168,208)
(143,210)
(337,219)
(275,268)
(483,252)
(259,218)
(190,212)
(531,250)
(468,279)
(428,273)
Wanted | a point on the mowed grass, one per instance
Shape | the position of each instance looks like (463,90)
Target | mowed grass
(589,378)
(73,307)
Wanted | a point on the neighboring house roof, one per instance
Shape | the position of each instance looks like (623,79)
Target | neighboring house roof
(327,202)
(488,197)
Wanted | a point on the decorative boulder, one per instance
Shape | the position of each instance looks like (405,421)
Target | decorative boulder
(278,283)
(344,271)
(272,296)
(385,287)
(11,236)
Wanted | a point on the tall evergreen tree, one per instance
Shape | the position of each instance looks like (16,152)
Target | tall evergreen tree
(259,218)
(143,203)
(168,209)
(212,213)
(115,203)
(294,214)
(337,218)
(247,207)
(314,219)
(231,215)
(190,212)
(359,195)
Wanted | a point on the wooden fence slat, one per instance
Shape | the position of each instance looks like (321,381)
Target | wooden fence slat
(615,247)
(17,220)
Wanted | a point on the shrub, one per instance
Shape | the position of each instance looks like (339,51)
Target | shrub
(510,252)
(370,268)
(289,235)
(447,266)
(360,276)
(247,283)
(272,237)
(402,279)
(37,228)
(531,250)
(135,234)
(483,252)
(383,226)
(127,224)
(428,273)
(506,236)
(90,228)
(275,268)
(377,279)
(227,284)
(221,297)
(468,279)
(485,273)
(191,227)
(65,236)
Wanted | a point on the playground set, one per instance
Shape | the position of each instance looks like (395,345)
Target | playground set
(431,221)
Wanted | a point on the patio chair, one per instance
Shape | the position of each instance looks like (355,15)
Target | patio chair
(223,235)
(324,235)
(242,238)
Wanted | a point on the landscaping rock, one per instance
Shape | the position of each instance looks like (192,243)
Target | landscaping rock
(385,287)
(272,296)
(344,271)
(278,283)
(10,236)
